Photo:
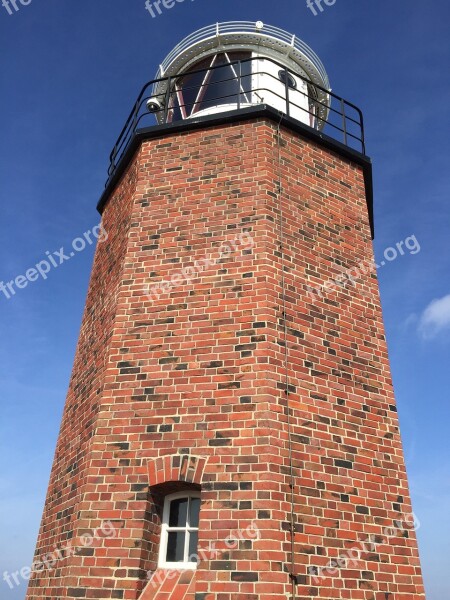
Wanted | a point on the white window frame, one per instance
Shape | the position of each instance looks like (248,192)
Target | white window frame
(165,529)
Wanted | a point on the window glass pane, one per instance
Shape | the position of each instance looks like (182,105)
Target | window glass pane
(190,89)
(175,546)
(193,544)
(246,81)
(194,512)
(222,86)
(178,513)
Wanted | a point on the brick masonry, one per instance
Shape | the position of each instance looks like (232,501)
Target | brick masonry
(236,382)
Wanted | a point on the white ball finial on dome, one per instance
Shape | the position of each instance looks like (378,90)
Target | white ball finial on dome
(259,25)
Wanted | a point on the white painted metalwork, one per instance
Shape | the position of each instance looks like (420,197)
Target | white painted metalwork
(263,42)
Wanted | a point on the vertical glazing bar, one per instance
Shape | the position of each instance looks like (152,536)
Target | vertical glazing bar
(344,121)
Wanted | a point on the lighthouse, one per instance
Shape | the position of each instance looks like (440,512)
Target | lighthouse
(227,434)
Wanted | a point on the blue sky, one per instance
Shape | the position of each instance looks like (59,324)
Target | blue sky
(70,72)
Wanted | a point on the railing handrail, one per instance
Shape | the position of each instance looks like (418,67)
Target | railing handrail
(237,27)
(164,84)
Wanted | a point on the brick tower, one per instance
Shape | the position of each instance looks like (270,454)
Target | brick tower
(230,431)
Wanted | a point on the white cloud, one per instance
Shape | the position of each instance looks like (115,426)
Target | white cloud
(435,318)
(409,322)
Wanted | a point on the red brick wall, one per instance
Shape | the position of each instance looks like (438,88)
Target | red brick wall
(201,371)
(63,518)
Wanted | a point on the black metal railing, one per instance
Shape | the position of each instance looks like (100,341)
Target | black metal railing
(172,99)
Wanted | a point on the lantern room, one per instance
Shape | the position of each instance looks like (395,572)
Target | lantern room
(234,65)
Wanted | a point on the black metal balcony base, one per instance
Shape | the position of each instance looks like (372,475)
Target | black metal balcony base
(234,116)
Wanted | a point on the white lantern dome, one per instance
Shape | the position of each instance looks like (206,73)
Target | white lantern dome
(239,64)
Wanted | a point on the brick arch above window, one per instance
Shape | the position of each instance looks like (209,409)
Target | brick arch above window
(176,468)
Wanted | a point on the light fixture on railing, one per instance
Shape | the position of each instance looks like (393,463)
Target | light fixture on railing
(154,105)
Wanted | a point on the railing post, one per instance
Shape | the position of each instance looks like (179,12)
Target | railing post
(113,159)
(361,125)
(286,85)
(167,100)
(135,117)
(239,84)
(344,121)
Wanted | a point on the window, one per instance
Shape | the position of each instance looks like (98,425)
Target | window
(179,532)
(216,84)
(285,76)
